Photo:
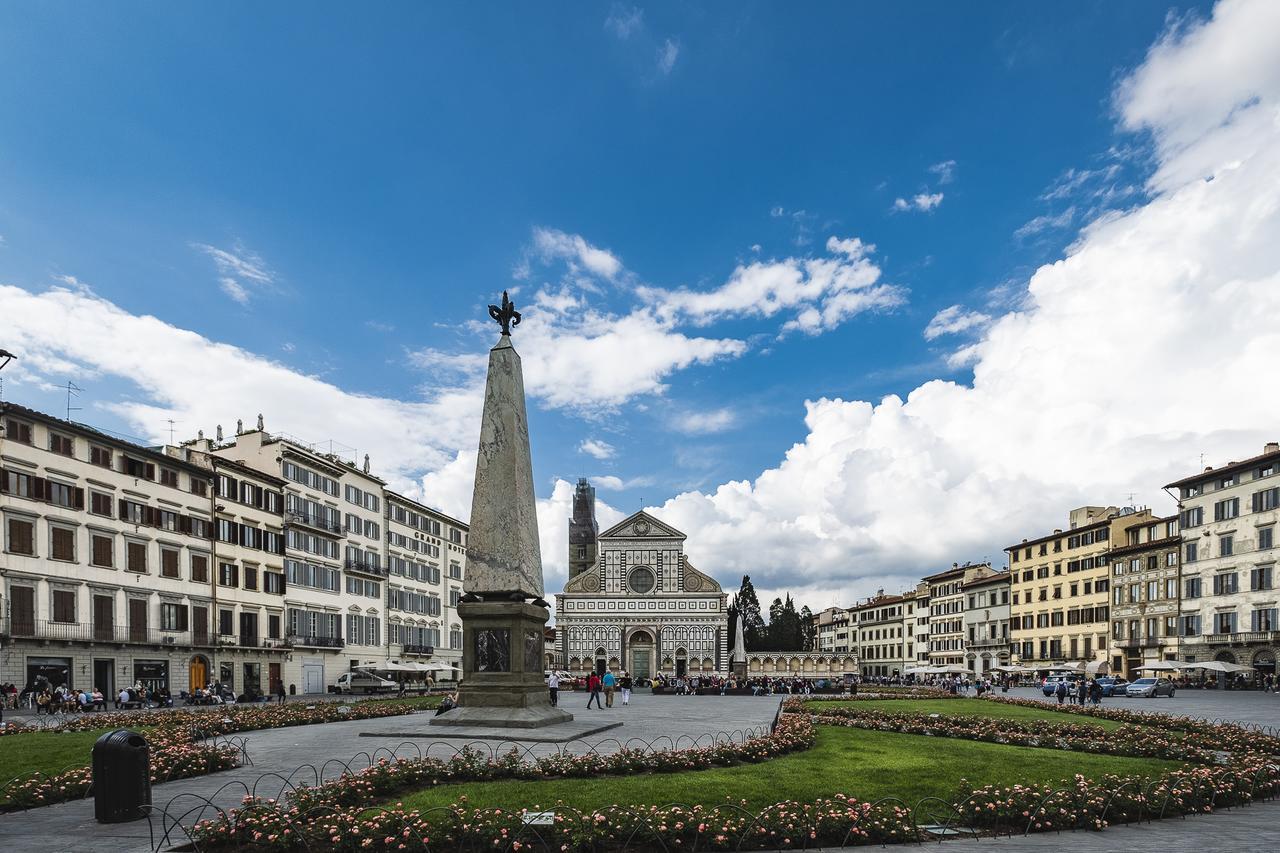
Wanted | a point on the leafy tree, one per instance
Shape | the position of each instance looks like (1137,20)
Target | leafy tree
(808,631)
(753,627)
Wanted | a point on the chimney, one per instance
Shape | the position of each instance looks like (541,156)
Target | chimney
(1271,447)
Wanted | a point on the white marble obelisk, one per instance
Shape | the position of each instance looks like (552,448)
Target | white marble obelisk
(503,555)
(504,618)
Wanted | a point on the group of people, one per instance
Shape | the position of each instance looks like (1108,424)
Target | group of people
(606,684)
(64,700)
(1080,692)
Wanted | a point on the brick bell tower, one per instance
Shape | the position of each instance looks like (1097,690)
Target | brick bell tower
(583,529)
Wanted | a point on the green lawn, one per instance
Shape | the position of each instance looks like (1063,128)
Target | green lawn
(977,707)
(49,752)
(855,762)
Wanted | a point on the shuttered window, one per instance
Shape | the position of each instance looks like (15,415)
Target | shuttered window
(21,537)
(62,541)
(103,551)
(64,605)
(168,562)
(137,557)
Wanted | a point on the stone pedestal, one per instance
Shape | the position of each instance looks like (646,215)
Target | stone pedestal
(739,669)
(502,664)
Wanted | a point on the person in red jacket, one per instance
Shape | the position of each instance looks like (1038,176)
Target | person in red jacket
(593,685)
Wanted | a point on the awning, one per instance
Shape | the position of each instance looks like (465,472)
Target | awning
(1096,667)
(1218,666)
(1163,666)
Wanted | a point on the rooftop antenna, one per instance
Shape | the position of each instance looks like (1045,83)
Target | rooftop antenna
(1202,461)
(72,391)
(1132,498)
(171,422)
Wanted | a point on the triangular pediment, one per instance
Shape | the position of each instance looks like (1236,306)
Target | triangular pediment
(641,525)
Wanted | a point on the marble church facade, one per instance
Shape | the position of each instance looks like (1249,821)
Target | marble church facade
(640,606)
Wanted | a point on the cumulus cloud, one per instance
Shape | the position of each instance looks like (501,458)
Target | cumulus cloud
(240,271)
(924,202)
(879,492)
(954,320)
(182,375)
(823,291)
(550,244)
(597,449)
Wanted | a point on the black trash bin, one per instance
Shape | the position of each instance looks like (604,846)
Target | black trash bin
(121,776)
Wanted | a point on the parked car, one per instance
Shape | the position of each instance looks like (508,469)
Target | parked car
(1113,685)
(364,682)
(1050,685)
(1148,688)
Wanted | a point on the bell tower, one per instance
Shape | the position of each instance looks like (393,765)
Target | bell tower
(583,529)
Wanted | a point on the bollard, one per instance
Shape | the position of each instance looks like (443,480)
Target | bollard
(121,777)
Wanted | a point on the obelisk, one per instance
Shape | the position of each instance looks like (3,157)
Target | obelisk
(502,609)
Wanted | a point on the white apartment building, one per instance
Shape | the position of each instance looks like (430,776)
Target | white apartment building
(426,550)
(832,626)
(247,583)
(1228,522)
(372,576)
(106,575)
(986,622)
(915,625)
(881,636)
(946,612)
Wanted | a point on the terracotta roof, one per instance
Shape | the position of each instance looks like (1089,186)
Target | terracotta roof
(1215,473)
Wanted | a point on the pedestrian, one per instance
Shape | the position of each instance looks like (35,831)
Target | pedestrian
(610,682)
(1082,691)
(593,687)
(624,684)
(553,687)
(280,694)
(1061,691)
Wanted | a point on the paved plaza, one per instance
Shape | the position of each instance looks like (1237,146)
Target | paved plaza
(664,720)
(1250,707)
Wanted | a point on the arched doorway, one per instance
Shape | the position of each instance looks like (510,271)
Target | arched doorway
(682,663)
(600,661)
(640,654)
(197,673)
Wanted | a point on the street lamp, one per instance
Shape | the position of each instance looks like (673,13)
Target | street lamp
(7,356)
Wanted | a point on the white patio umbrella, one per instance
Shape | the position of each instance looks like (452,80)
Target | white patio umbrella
(1218,666)
(1163,666)
(1094,667)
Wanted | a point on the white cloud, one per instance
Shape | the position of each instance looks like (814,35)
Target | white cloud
(597,449)
(240,271)
(550,244)
(705,421)
(823,291)
(946,171)
(624,21)
(879,492)
(1045,223)
(954,320)
(667,55)
(176,373)
(921,201)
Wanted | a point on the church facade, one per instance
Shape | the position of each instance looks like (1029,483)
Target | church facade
(640,606)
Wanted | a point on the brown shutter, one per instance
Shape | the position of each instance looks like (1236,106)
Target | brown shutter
(124,513)
(78,498)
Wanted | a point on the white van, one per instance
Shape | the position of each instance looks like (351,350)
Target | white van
(360,681)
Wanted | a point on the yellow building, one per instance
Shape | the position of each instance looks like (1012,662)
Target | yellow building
(1060,598)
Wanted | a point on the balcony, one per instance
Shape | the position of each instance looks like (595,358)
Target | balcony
(1241,637)
(314,642)
(997,643)
(48,631)
(1138,643)
(417,649)
(315,522)
(365,568)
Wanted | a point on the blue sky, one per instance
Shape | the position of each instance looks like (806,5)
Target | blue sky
(341,192)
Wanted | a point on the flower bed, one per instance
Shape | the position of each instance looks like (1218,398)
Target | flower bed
(1141,735)
(175,738)
(837,821)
